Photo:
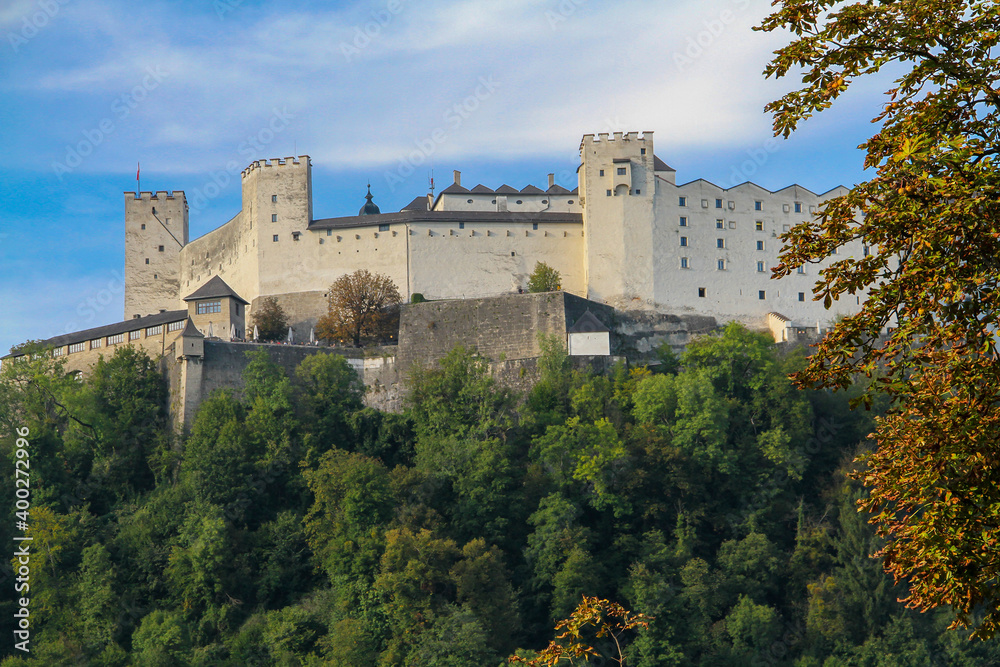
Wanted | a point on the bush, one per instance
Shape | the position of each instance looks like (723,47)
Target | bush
(417,297)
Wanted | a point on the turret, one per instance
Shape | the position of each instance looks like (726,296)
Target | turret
(156,228)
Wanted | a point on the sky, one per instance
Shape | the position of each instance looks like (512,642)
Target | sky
(387,92)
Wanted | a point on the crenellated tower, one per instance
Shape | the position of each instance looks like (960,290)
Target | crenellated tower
(616,188)
(156,228)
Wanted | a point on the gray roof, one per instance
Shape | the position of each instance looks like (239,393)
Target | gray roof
(558,190)
(531,190)
(217,288)
(482,189)
(446,217)
(588,323)
(507,190)
(191,331)
(455,189)
(660,165)
(418,204)
(113,329)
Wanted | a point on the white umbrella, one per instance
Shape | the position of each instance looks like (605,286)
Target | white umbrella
(210,334)
(312,336)
(232,330)
(256,335)
(291,336)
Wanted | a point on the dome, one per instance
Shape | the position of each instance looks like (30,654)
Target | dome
(369,208)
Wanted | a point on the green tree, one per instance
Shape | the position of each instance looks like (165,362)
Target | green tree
(270,319)
(544,278)
(929,218)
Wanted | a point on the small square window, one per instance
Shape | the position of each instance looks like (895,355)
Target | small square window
(720,224)
(732,224)
(274,198)
(718,203)
(684,221)
(638,191)
(461,225)
(759,225)
(721,265)
(534,225)
(798,207)
(609,193)
(785,228)
(682,201)
(160,248)
(720,243)
(758,205)
(155,277)
(622,171)
(329,232)
(761,295)
(275,238)
(274,217)
(642,151)
(684,241)
(511,253)
(704,203)
(760,245)
(701,292)
(684,262)
(144,225)
(760,267)
(602,172)
(383,228)
(802,296)
(801,270)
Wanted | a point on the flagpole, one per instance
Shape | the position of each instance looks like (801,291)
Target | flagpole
(138,185)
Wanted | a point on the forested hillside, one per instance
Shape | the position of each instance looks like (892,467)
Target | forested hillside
(294,526)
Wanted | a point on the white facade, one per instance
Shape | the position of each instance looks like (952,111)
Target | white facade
(628,236)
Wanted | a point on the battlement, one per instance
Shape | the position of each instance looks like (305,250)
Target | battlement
(603,137)
(160,194)
(291,161)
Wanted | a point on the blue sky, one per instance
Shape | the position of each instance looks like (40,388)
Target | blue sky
(88,89)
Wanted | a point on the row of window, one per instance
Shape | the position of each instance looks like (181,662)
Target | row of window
(719,243)
(115,339)
(758,205)
(761,294)
(723,264)
(622,171)
(721,224)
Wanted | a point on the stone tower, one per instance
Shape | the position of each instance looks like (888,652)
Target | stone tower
(617,186)
(156,228)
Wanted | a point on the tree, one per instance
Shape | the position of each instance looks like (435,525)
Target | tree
(543,279)
(931,217)
(362,305)
(270,319)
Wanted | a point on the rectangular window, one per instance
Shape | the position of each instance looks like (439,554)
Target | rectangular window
(642,151)
(701,292)
(760,267)
(117,338)
(802,296)
(866,250)
(798,207)
(718,203)
(144,226)
(622,171)
(176,326)
(329,232)
(684,221)
(147,260)
(684,262)
(759,225)
(602,172)
(274,217)
(732,224)
(274,198)
(534,225)
(609,193)
(154,331)
(134,335)
(721,265)
(206,307)
(760,245)
(58,351)
(77,347)
(684,241)
(274,238)
(761,295)
(801,270)
(638,191)
(385,228)
(161,248)
(720,243)
(720,224)
(758,205)
(94,344)
(682,201)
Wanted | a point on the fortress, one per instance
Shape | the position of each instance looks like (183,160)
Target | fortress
(649,258)
(628,236)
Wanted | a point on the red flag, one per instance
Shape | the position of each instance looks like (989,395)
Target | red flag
(136,172)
